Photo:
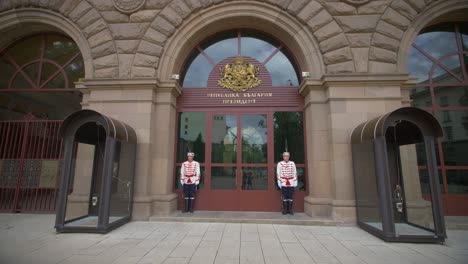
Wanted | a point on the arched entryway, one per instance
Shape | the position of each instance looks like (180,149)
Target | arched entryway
(36,93)
(438,58)
(239,108)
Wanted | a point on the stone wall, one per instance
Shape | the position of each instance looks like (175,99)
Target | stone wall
(352,37)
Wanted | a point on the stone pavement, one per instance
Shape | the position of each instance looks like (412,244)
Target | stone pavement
(31,239)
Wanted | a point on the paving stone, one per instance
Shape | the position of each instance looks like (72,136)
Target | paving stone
(32,239)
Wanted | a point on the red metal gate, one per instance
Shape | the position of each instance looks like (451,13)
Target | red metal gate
(30,158)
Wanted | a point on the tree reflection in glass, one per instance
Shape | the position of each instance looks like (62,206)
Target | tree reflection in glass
(254,139)
(224,139)
(289,127)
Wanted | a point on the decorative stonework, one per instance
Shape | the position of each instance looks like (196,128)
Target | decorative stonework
(357,2)
(128,6)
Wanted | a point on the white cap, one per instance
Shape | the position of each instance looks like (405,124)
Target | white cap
(190,154)
(286,154)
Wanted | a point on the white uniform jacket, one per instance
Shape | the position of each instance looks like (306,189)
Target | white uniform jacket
(190,173)
(286,174)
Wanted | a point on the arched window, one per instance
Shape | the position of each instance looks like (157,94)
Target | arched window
(41,62)
(263,50)
(439,59)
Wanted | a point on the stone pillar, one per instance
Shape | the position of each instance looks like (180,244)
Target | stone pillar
(163,135)
(334,106)
(149,108)
(317,121)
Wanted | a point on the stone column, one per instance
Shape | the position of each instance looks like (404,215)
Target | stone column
(163,135)
(149,108)
(334,106)
(317,121)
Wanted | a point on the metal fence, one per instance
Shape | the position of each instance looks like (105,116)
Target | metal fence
(30,159)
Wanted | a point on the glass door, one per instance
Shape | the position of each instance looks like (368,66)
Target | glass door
(238,152)
(238,173)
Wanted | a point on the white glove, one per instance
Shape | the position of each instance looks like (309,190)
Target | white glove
(279,184)
(182,182)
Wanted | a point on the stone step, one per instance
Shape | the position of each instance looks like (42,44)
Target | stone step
(247,217)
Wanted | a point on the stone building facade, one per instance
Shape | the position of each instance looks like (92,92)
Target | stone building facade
(354,54)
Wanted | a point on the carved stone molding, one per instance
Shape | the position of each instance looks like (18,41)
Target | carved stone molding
(128,6)
(356,2)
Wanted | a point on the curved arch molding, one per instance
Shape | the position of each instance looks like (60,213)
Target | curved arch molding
(153,41)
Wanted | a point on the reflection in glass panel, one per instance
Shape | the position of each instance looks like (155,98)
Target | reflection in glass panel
(26,50)
(222,49)
(424,179)
(7,70)
(254,178)
(424,176)
(441,75)
(75,71)
(422,155)
(439,41)
(457,181)
(48,70)
(20,82)
(409,198)
(32,70)
(301,184)
(198,72)
(455,140)
(57,82)
(121,185)
(451,96)
(367,195)
(289,127)
(79,190)
(177,178)
(419,65)
(256,48)
(223,178)
(420,97)
(464,34)
(254,139)
(224,139)
(282,71)
(60,49)
(192,136)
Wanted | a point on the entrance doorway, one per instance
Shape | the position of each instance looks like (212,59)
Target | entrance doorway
(239,111)
(36,94)
(238,151)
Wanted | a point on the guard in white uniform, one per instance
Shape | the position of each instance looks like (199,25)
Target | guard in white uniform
(286,176)
(189,178)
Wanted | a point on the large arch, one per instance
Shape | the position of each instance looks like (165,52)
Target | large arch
(15,24)
(174,44)
(441,11)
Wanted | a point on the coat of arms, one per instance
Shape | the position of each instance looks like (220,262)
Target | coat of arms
(239,76)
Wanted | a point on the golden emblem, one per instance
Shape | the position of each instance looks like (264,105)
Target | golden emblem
(239,76)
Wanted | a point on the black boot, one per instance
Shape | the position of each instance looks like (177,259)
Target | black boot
(186,205)
(192,202)
(285,207)
(290,208)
